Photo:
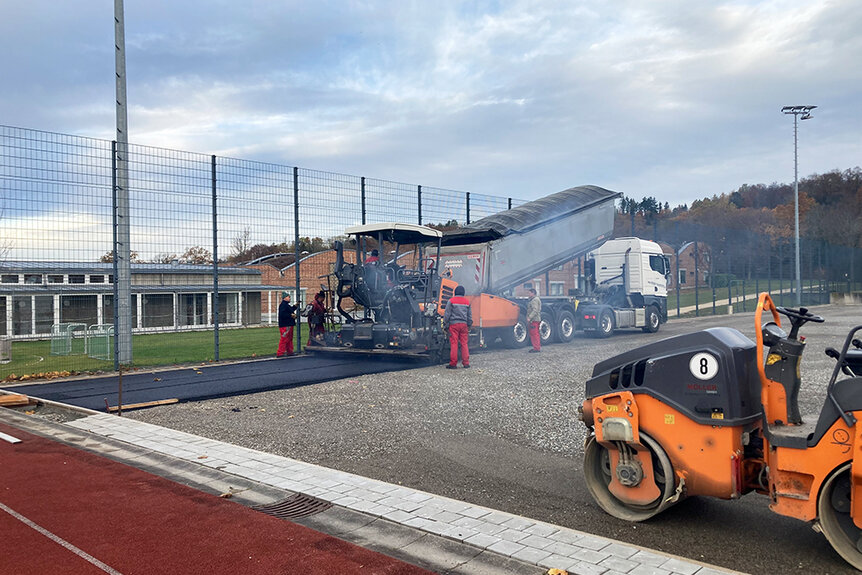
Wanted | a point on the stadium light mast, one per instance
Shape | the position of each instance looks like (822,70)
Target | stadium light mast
(122,245)
(805,111)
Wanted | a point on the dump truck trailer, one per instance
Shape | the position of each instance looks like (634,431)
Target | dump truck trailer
(491,256)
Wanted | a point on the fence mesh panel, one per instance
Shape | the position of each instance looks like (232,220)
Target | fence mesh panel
(270,229)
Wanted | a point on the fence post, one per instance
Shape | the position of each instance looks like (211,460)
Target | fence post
(712,282)
(468,207)
(781,274)
(729,301)
(677,281)
(296,254)
(114,256)
(216,346)
(510,203)
(769,271)
(419,201)
(696,282)
(362,195)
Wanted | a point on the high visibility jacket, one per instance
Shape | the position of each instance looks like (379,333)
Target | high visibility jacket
(458,311)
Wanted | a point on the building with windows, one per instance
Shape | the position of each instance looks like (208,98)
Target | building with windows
(683,266)
(165,297)
(279,272)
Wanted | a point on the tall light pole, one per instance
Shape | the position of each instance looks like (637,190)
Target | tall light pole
(122,257)
(806,115)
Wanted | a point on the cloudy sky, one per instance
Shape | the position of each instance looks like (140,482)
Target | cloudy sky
(673,99)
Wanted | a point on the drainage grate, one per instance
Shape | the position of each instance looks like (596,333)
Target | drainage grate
(297,505)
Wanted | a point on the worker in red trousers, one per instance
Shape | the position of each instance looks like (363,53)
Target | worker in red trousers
(458,319)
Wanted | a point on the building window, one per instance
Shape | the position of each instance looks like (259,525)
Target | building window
(158,310)
(55,279)
(528,285)
(44,313)
(76,278)
(108,309)
(33,279)
(79,309)
(228,304)
(557,288)
(681,277)
(97,279)
(22,315)
(193,309)
(251,308)
(9,278)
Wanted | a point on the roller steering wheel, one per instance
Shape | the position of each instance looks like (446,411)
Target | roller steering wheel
(799,314)
(798,318)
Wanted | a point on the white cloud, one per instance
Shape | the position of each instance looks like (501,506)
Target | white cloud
(667,98)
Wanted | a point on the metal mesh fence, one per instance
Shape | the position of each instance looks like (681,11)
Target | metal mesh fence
(720,269)
(214,242)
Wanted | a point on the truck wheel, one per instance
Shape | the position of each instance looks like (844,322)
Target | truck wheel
(565,325)
(653,320)
(547,333)
(518,335)
(606,324)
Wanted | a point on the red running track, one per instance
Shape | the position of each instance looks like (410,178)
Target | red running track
(63,510)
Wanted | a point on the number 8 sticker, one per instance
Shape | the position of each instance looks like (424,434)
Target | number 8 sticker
(703,365)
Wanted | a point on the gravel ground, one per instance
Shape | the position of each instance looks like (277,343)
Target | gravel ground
(505,434)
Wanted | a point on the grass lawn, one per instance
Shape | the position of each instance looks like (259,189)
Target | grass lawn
(149,350)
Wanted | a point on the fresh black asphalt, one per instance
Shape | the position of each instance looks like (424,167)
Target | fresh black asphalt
(210,381)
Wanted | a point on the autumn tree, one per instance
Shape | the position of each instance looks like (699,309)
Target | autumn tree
(196,255)
(164,258)
(108,258)
(240,244)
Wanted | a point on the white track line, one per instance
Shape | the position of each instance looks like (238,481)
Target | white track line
(63,542)
(9,438)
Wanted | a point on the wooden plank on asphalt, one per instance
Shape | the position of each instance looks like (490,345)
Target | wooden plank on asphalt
(113,408)
(13,399)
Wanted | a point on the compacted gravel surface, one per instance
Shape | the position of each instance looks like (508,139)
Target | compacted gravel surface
(505,434)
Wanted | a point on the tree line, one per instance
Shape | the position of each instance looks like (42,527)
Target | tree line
(751,230)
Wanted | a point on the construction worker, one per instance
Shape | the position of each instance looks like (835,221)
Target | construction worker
(286,323)
(458,319)
(534,318)
(316,317)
